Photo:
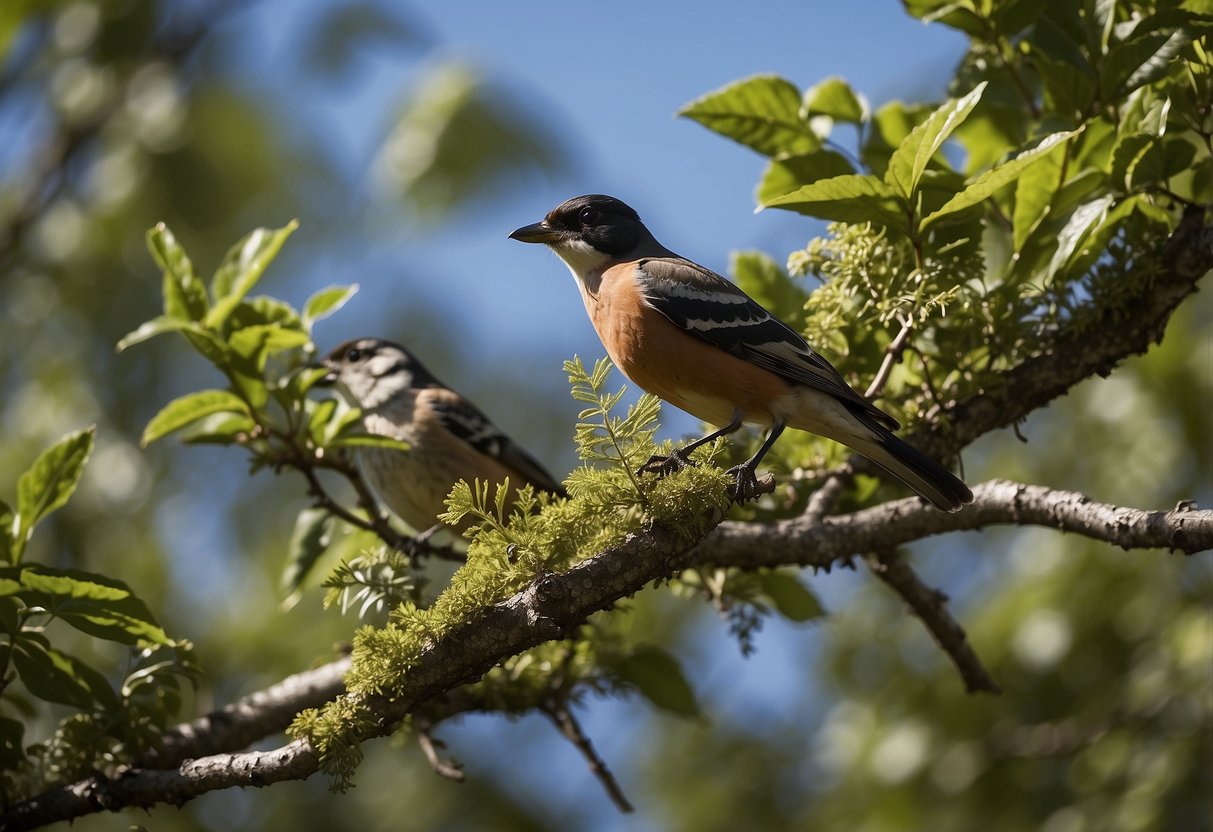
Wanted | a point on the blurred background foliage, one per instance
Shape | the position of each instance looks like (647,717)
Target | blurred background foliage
(116,115)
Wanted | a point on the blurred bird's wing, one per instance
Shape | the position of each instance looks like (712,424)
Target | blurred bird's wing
(708,306)
(468,422)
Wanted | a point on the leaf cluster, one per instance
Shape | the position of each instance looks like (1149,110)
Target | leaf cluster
(1026,205)
(39,607)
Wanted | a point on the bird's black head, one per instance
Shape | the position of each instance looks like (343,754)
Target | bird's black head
(605,223)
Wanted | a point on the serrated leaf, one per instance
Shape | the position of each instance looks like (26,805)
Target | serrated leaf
(793,599)
(834,97)
(94,604)
(915,152)
(659,678)
(186,410)
(762,113)
(184,294)
(760,277)
(985,185)
(242,267)
(310,539)
(50,481)
(1076,229)
(788,173)
(850,198)
(325,302)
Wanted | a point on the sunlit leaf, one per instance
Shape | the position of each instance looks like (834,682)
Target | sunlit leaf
(788,173)
(762,113)
(1081,222)
(1140,61)
(52,478)
(916,151)
(184,294)
(834,97)
(242,267)
(851,198)
(989,182)
(95,604)
(188,409)
(325,302)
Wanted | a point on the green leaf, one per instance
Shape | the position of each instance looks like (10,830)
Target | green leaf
(325,303)
(1034,194)
(242,267)
(188,409)
(94,604)
(51,676)
(890,126)
(159,325)
(850,198)
(762,113)
(760,277)
(1076,230)
(793,599)
(369,440)
(310,539)
(184,295)
(958,14)
(659,678)
(1139,61)
(834,97)
(788,173)
(916,151)
(992,180)
(256,343)
(219,429)
(50,481)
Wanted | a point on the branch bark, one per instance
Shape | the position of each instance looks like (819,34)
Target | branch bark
(553,605)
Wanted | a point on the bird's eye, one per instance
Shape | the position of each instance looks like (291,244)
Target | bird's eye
(588,216)
(354,354)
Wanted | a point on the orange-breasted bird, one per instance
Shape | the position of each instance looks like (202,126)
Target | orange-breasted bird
(450,439)
(694,339)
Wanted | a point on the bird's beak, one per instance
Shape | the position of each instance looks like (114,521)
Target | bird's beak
(539,232)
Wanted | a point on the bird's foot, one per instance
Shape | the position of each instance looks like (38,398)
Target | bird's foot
(663,466)
(747,485)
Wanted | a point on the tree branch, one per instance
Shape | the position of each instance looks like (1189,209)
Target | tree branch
(569,728)
(555,604)
(929,605)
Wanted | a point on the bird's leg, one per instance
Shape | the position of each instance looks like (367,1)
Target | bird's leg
(680,458)
(745,485)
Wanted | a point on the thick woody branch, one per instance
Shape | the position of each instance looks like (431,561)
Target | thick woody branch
(553,605)
(1071,358)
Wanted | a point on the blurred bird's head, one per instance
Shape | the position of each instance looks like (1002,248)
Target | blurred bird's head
(372,371)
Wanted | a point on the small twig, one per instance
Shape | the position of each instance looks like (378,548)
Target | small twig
(892,354)
(571,730)
(429,746)
(824,500)
(929,605)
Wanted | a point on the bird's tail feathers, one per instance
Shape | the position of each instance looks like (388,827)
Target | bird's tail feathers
(933,482)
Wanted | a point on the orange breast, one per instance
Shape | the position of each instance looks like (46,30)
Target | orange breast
(672,364)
